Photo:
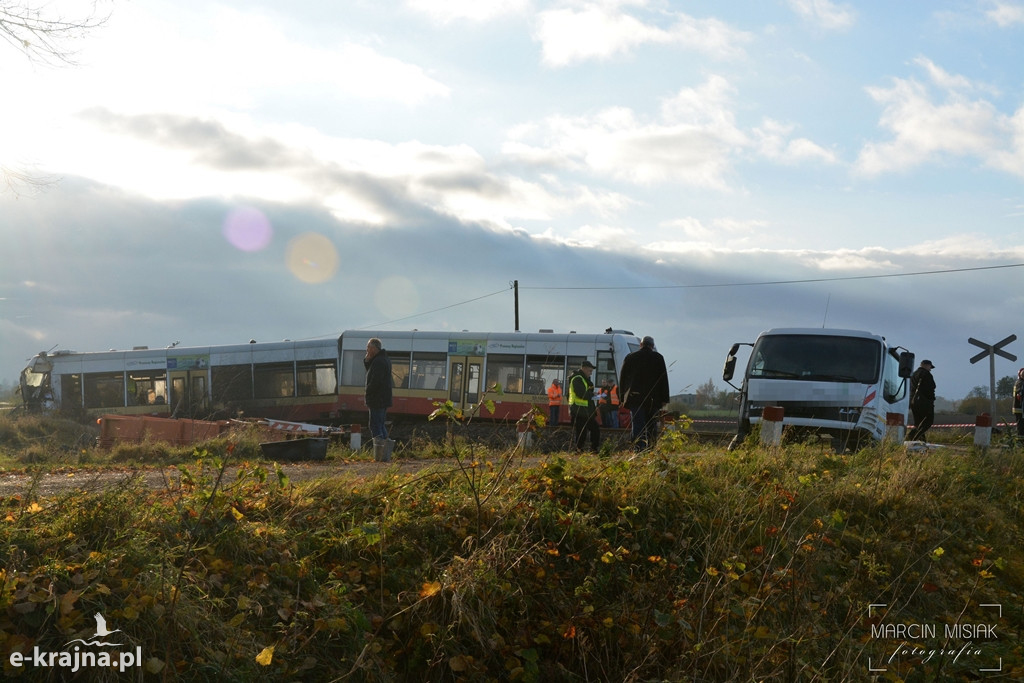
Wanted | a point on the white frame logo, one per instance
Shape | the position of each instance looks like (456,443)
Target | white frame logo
(960,642)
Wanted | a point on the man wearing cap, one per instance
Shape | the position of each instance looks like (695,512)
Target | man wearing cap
(922,400)
(644,385)
(555,402)
(582,410)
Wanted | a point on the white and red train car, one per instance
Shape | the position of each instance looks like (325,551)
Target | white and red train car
(320,381)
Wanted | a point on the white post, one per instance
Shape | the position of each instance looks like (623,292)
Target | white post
(983,430)
(895,428)
(771,425)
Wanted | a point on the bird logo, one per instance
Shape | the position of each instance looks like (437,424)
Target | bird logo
(101,632)
(101,627)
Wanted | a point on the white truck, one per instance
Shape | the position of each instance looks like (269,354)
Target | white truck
(847,384)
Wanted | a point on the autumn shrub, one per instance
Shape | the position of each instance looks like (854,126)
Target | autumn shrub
(756,564)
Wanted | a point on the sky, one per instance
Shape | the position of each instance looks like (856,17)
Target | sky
(210,172)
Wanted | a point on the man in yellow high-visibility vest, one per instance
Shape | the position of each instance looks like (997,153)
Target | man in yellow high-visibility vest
(582,410)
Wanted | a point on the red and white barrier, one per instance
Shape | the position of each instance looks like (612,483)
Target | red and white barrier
(771,425)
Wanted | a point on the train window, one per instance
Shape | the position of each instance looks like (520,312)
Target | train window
(147,388)
(605,367)
(353,372)
(540,370)
(70,392)
(104,390)
(506,371)
(317,378)
(428,370)
(399,368)
(231,383)
(274,380)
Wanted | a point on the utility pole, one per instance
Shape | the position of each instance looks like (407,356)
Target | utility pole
(515,286)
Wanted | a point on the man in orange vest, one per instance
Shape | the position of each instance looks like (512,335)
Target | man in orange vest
(554,402)
(610,410)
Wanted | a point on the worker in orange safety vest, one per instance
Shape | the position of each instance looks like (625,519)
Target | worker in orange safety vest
(554,402)
(609,404)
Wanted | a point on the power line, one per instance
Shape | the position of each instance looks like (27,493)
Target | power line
(788,282)
(443,308)
(408,317)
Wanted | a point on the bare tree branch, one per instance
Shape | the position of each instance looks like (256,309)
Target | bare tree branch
(42,37)
(45,38)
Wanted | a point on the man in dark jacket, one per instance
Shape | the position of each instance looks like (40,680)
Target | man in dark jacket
(378,387)
(644,386)
(922,400)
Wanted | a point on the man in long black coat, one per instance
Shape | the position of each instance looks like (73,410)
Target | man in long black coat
(922,400)
(378,387)
(644,387)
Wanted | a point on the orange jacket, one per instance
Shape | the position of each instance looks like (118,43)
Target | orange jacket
(554,395)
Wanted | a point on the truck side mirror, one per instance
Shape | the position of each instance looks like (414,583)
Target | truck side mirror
(906,364)
(730,366)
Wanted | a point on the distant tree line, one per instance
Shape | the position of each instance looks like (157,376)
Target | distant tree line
(708,397)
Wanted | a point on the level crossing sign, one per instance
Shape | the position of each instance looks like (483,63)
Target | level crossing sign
(990,351)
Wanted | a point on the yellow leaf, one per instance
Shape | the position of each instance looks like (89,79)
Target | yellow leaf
(236,514)
(430,588)
(266,656)
(154,665)
(457,663)
(35,507)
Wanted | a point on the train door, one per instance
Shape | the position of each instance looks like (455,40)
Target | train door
(188,393)
(464,380)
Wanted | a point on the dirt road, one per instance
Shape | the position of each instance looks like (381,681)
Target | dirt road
(56,483)
(93,479)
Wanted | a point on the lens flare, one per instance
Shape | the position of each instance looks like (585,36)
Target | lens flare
(247,229)
(312,258)
(396,297)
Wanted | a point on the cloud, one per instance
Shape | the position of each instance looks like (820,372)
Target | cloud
(695,141)
(132,271)
(826,14)
(939,120)
(602,31)
(476,11)
(774,142)
(1006,14)
(238,59)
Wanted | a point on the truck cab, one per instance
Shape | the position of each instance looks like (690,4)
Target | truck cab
(847,384)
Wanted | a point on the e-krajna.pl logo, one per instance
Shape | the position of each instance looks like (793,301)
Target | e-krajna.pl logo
(967,645)
(90,653)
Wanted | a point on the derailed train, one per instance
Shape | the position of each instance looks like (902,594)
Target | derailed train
(320,381)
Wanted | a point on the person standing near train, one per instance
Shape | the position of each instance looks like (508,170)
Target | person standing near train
(922,401)
(582,410)
(644,384)
(1018,403)
(554,402)
(378,387)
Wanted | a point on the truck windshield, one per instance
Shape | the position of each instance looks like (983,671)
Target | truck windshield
(816,358)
